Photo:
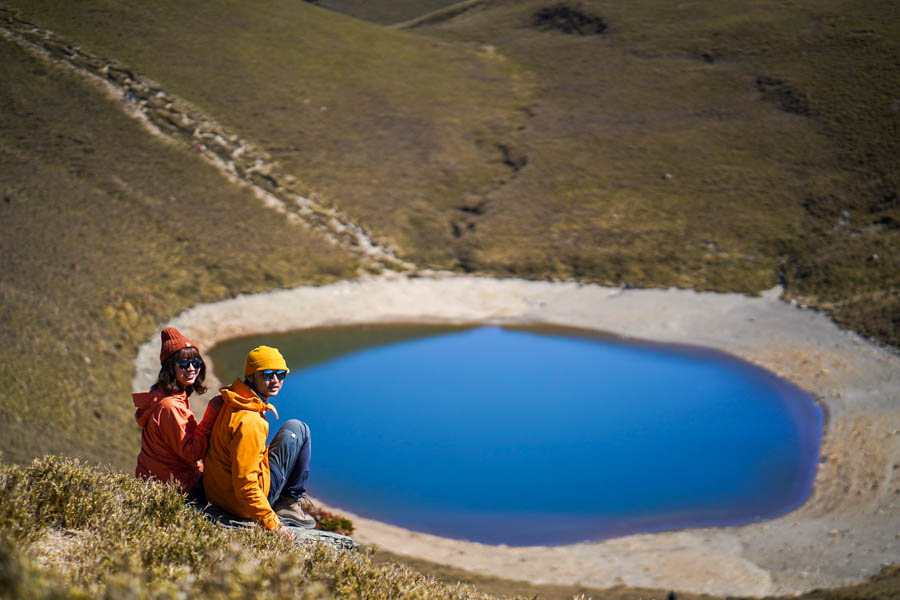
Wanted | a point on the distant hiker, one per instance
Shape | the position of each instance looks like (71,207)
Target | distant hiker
(243,476)
(172,443)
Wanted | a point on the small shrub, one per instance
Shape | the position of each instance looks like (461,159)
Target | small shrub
(16,517)
(568,19)
(784,96)
(329,521)
(63,493)
(21,580)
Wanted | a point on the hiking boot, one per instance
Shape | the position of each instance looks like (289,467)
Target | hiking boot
(291,513)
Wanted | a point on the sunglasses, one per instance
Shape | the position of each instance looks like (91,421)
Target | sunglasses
(193,362)
(268,374)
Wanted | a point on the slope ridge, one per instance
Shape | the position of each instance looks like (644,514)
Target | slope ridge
(166,115)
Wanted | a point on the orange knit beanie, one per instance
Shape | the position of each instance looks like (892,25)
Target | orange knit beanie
(262,358)
(172,342)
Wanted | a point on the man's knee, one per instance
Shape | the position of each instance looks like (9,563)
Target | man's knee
(297,428)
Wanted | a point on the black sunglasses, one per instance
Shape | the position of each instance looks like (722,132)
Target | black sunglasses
(268,374)
(194,362)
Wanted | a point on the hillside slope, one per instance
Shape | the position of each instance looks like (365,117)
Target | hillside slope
(72,531)
(701,146)
(694,145)
(107,232)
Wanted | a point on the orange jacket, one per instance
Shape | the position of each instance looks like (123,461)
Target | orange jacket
(237,464)
(172,444)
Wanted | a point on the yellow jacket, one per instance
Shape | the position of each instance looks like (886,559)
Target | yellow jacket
(236,467)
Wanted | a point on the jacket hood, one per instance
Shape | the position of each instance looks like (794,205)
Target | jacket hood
(146,403)
(240,397)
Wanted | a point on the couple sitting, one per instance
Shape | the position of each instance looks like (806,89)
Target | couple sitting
(238,473)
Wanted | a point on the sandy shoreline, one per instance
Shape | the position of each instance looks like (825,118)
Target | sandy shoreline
(847,531)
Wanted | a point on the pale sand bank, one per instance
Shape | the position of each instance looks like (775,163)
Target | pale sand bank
(846,532)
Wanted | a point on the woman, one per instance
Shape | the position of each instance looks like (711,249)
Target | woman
(172,443)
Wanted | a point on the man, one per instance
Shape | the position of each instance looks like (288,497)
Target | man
(242,475)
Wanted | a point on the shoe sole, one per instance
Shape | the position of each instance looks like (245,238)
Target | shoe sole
(296,522)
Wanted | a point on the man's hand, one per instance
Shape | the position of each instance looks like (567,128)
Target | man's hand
(284,531)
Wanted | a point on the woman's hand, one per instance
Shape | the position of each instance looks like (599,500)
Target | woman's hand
(209,417)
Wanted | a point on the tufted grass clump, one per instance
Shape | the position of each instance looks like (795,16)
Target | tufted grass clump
(68,529)
(329,521)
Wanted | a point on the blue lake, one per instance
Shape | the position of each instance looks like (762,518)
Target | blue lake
(541,436)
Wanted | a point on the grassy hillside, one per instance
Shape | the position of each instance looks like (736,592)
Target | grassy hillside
(71,531)
(106,234)
(699,145)
(388,125)
(383,12)
(778,126)
(67,530)
(704,145)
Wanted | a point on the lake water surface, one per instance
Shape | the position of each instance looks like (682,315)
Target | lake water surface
(542,436)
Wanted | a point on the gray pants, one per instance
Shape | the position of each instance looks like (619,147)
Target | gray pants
(289,461)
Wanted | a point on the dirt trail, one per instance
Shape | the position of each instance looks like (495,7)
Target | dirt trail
(175,120)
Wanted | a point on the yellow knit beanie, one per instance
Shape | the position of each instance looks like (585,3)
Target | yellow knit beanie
(262,358)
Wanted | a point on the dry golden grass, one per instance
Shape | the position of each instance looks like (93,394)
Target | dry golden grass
(708,145)
(69,530)
(712,146)
(108,232)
